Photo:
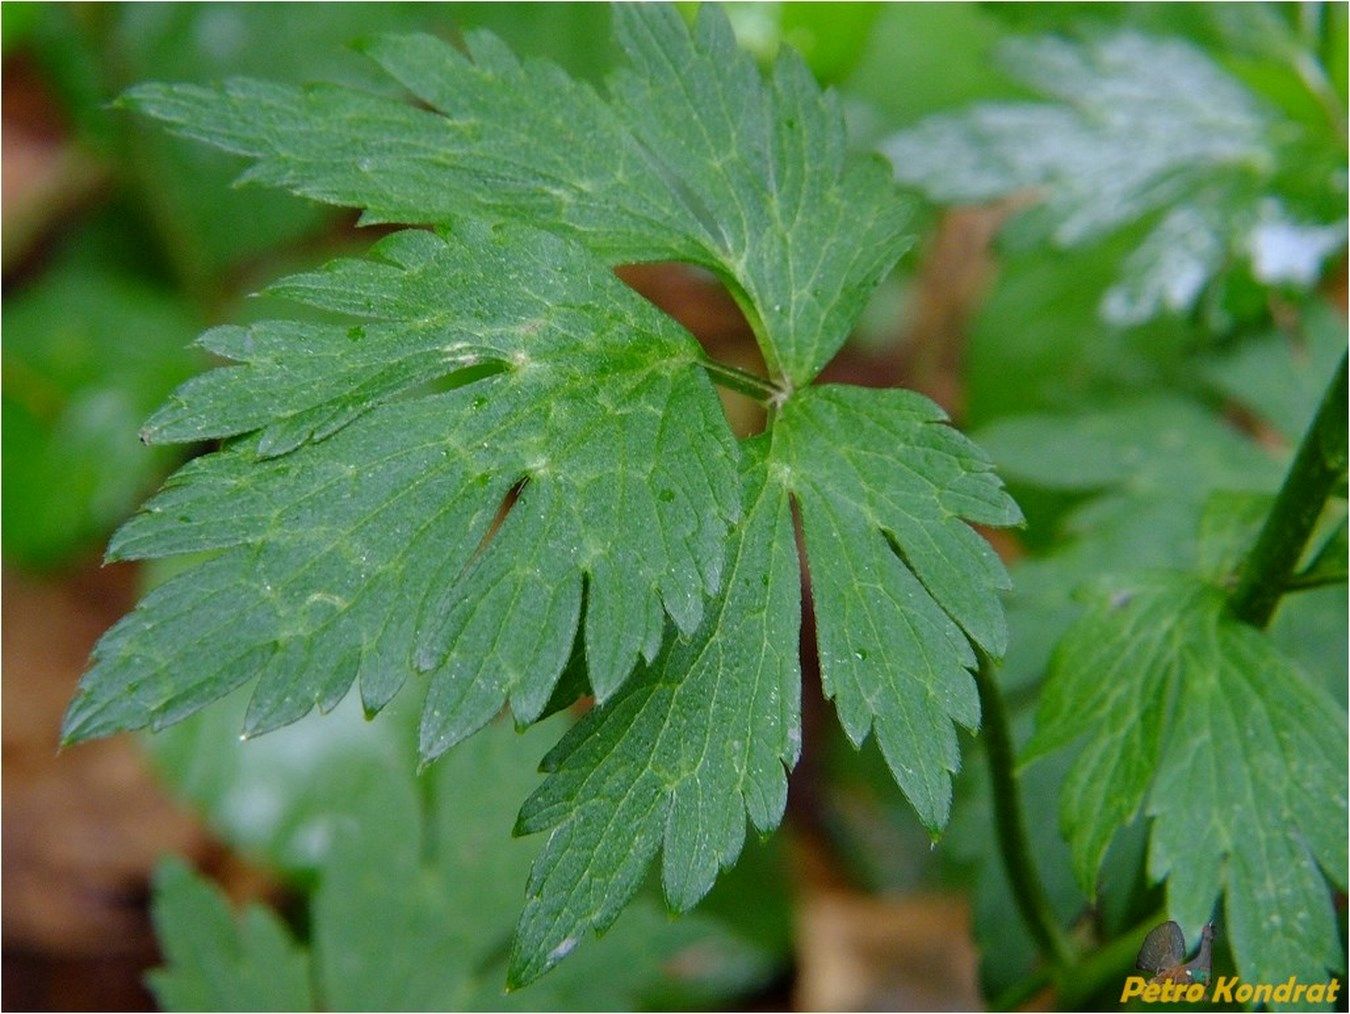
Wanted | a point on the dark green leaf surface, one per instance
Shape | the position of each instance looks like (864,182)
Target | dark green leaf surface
(1239,755)
(1140,127)
(694,157)
(679,757)
(899,580)
(500,437)
(700,739)
(354,556)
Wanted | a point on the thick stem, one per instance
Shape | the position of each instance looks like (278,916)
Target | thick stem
(1317,471)
(749,384)
(1023,877)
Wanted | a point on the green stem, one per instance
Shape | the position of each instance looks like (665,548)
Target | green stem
(1321,579)
(1317,472)
(782,383)
(740,380)
(1082,981)
(1023,877)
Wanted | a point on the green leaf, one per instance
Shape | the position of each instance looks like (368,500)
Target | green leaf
(416,892)
(1328,564)
(829,38)
(88,352)
(280,798)
(701,738)
(1037,343)
(1141,127)
(214,961)
(899,580)
(355,557)
(1240,757)
(678,758)
(694,157)
(1310,628)
(1153,444)
(1228,528)
(206,225)
(1151,468)
(500,437)
(1279,377)
(944,50)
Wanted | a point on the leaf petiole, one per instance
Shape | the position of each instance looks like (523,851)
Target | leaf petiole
(1023,877)
(764,391)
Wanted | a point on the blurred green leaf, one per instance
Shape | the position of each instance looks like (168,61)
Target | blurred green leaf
(281,798)
(1310,628)
(1112,533)
(1240,757)
(830,37)
(1144,472)
(944,49)
(417,880)
(1037,342)
(1149,444)
(1228,527)
(1280,377)
(17,22)
(89,352)
(1144,128)
(1007,953)
(215,961)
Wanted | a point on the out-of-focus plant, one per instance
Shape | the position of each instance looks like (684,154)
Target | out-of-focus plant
(1190,733)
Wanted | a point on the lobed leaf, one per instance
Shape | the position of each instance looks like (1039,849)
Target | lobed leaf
(501,438)
(215,962)
(357,556)
(677,760)
(1239,756)
(692,156)
(1135,128)
(898,579)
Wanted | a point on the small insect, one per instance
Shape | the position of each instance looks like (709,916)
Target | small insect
(1164,955)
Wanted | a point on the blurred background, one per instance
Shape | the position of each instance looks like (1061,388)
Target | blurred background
(1176,268)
